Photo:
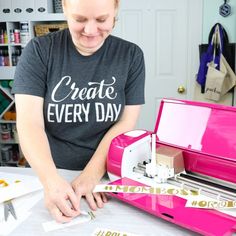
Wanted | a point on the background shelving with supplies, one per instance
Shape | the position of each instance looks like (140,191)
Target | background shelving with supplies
(40,19)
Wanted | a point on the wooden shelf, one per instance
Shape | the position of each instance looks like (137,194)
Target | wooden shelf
(9,141)
(7,121)
(9,22)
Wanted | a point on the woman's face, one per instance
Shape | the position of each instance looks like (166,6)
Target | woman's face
(90,22)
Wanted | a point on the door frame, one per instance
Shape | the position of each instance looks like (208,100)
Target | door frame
(195,18)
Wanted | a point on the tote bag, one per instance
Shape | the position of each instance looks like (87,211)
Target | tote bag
(229,53)
(220,77)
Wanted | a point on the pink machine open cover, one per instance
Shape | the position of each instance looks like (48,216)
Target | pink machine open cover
(207,135)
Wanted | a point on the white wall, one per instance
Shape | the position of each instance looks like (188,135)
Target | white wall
(211,16)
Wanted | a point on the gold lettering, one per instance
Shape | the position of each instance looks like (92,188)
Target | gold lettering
(108,233)
(134,189)
(230,204)
(100,233)
(108,188)
(202,203)
(184,192)
(212,204)
(172,191)
(157,190)
(194,192)
(147,189)
(222,204)
(121,188)
(163,191)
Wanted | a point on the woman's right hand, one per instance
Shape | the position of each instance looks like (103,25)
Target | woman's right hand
(60,199)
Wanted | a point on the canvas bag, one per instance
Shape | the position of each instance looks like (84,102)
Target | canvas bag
(220,77)
(228,49)
(206,57)
(229,54)
(226,99)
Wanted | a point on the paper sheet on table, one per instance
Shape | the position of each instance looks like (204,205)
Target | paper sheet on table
(22,207)
(27,184)
(164,189)
(102,231)
(210,203)
(11,224)
(209,200)
(53,225)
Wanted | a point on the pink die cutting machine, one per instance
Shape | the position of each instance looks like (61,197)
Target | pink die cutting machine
(195,149)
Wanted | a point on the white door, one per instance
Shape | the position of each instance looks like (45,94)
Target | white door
(169,32)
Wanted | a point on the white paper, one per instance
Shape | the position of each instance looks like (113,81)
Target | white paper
(27,184)
(103,232)
(10,225)
(159,190)
(22,205)
(165,190)
(231,212)
(210,204)
(53,225)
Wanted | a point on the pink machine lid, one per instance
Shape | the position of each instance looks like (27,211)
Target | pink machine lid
(208,129)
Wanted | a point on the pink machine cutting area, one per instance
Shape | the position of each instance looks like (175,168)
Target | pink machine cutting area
(195,149)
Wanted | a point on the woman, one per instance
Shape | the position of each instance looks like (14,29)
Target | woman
(75,90)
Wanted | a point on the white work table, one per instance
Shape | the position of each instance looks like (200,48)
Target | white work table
(115,215)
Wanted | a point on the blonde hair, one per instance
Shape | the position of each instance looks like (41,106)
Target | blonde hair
(116,3)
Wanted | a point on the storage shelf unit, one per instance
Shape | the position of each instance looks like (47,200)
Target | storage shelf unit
(33,17)
(10,153)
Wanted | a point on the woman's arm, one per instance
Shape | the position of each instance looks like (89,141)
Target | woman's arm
(35,146)
(95,169)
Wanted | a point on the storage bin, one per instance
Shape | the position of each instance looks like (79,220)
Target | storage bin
(57,5)
(5,134)
(15,134)
(6,153)
(43,6)
(42,29)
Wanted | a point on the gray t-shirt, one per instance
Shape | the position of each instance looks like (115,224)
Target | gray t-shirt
(83,95)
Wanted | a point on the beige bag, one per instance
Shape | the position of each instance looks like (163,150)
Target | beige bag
(218,81)
(226,99)
(230,79)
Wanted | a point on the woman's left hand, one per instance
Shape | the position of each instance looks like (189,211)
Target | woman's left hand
(83,185)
